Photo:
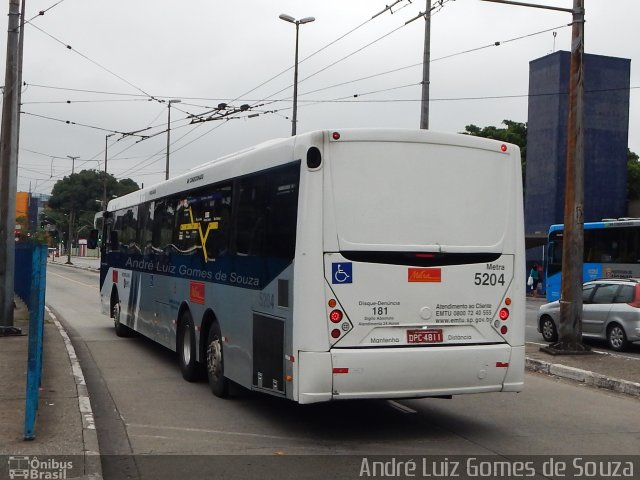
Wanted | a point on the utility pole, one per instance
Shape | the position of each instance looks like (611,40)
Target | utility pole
(426,65)
(69,239)
(570,325)
(8,172)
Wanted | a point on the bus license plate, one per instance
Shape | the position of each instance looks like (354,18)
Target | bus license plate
(424,336)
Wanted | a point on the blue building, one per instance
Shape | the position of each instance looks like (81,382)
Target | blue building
(606,127)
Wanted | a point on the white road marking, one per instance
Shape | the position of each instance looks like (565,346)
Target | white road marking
(219,432)
(400,407)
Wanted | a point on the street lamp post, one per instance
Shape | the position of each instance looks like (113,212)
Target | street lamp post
(166,171)
(297,23)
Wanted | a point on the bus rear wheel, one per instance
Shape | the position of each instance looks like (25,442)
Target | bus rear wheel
(186,348)
(121,330)
(215,363)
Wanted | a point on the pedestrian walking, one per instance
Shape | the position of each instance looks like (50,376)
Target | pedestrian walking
(534,279)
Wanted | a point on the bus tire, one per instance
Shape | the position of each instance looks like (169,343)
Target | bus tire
(548,329)
(215,363)
(617,338)
(121,330)
(186,348)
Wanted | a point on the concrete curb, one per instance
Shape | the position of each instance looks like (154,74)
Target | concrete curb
(79,267)
(583,376)
(91,449)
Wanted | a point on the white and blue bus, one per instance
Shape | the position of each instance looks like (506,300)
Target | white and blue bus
(331,265)
(611,250)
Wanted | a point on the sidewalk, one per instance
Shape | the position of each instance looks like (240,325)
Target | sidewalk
(61,425)
(611,371)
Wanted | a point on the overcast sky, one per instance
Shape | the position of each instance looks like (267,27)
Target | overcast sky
(127,55)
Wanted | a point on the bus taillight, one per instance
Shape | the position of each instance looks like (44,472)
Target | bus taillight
(504,313)
(504,330)
(335,316)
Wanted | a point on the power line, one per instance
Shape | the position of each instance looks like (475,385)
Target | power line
(69,102)
(77,52)
(318,51)
(42,12)
(69,122)
(463,52)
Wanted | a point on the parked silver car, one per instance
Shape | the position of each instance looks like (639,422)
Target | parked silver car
(611,311)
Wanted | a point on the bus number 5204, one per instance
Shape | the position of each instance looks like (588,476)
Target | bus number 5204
(489,279)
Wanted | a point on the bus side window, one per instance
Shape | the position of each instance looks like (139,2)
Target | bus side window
(250,208)
(185,238)
(267,213)
(114,244)
(162,226)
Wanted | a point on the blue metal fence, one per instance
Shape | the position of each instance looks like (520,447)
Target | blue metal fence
(30,283)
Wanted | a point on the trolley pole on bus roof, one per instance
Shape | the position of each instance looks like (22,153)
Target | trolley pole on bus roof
(166,168)
(570,325)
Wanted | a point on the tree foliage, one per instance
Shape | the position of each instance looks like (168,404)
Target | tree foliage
(633,176)
(515,132)
(81,193)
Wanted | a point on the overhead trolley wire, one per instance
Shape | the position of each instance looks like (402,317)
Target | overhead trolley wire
(77,52)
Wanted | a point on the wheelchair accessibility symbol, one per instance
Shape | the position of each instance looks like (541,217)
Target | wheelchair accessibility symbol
(341,273)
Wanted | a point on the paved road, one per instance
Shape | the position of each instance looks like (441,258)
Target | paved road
(142,406)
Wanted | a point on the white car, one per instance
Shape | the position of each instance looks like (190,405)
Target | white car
(611,312)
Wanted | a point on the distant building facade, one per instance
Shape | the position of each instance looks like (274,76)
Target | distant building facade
(29,206)
(606,128)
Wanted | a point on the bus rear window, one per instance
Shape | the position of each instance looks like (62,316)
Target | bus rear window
(408,195)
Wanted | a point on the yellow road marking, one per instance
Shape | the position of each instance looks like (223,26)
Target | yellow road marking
(90,285)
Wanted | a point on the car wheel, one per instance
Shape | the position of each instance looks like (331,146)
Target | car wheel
(548,329)
(215,363)
(186,348)
(617,338)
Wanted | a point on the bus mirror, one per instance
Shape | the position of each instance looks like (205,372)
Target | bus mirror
(113,241)
(92,241)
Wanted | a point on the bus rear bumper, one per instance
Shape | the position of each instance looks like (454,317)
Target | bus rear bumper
(410,372)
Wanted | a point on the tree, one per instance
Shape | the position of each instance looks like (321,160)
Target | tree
(633,176)
(81,193)
(516,133)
